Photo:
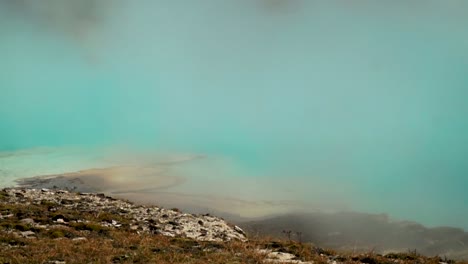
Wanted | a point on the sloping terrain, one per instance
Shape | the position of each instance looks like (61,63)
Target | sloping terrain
(361,232)
(55,226)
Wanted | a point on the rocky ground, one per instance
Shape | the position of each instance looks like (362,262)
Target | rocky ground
(116,214)
(56,226)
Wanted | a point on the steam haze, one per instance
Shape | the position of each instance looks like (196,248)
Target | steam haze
(297,105)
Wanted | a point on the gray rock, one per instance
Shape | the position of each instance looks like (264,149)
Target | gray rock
(145,219)
(238,229)
(281,257)
(79,239)
(28,233)
(29,221)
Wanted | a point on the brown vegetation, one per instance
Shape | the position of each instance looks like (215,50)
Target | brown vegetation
(88,241)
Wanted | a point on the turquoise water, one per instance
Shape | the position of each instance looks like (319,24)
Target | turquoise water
(363,103)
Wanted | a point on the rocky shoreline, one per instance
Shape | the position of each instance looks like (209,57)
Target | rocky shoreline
(21,218)
(139,218)
(62,227)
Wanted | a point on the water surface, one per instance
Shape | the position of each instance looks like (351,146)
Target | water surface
(357,106)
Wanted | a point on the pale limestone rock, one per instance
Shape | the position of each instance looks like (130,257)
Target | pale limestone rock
(28,221)
(28,233)
(146,219)
(280,257)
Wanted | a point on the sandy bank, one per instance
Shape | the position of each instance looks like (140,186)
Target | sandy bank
(157,186)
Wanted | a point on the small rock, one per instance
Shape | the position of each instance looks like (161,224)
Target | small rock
(59,218)
(238,229)
(28,233)
(281,257)
(115,223)
(27,221)
(79,239)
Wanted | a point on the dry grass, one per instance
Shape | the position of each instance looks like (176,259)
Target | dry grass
(123,247)
(90,242)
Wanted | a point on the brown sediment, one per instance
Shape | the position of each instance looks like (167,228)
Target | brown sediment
(202,203)
(157,185)
(112,180)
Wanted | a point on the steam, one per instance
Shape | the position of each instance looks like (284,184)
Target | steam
(359,103)
(77,20)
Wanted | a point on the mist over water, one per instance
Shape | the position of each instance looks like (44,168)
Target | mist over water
(357,105)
